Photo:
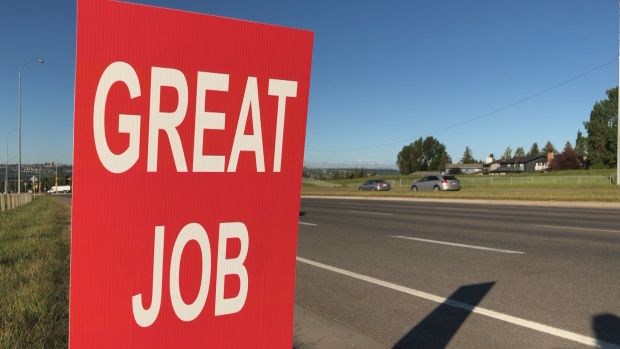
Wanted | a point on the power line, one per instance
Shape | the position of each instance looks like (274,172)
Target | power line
(474,119)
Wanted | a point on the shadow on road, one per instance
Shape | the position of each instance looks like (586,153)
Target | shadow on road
(302,214)
(606,326)
(438,327)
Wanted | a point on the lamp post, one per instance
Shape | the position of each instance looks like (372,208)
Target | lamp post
(19,126)
(6,169)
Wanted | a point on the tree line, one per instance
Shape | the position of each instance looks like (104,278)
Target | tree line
(47,182)
(597,150)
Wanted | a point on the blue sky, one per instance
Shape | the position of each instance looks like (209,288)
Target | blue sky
(382,72)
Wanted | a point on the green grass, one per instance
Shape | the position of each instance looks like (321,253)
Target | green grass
(609,194)
(309,186)
(606,172)
(35,242)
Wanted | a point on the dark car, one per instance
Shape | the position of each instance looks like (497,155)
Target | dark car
(375,184)
(437,183)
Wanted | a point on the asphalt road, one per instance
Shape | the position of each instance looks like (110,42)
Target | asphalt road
(63,197)
(515,277)
(451,275)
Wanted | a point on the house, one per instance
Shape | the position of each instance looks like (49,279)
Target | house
(491,166)
(527,164)
(465,168)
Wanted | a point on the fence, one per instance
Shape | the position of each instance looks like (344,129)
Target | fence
(537,181)
(12,201)
(525,181)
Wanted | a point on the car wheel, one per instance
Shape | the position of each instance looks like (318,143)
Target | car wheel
(436,188)
(360,189)
(373,189)
(414,188)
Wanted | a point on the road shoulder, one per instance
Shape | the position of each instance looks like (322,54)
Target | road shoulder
(315,331)
(470,201)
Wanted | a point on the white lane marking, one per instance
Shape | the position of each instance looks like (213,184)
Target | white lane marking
(482,311)
(383,214)
(571,228)
(458,245)
(304,223)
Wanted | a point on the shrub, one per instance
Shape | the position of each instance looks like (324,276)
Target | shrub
(566,160)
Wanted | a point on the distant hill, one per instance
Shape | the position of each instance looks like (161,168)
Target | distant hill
(329,172)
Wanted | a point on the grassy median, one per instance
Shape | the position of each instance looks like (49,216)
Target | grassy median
(35,242)
(607,194)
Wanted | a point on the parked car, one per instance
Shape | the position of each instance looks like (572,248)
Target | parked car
(375,184)
(437,183)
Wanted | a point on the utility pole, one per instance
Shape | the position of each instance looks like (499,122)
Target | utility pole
(57,171)
(618,143)
(19,126)
(6,170)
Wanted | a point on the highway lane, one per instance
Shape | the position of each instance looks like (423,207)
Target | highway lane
(63,197)
(566,274)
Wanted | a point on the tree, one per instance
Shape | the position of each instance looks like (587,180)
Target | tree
(445,159)
(409,159)
(507,154)
(549,148)
(468,157)
(581,145)
(374,173)
(566,160)
(432,154)
(491,155)
(456,171)
(361,173)
(602,131)
(337,174)
(568,146)
(534,150)
(421,155)
(520,152)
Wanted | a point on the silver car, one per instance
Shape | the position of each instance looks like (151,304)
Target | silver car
(437,183)
(375,184)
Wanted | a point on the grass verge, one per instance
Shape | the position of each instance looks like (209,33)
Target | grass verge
(35,246)
(610,194)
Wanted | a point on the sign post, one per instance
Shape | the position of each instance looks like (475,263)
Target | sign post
(164,98)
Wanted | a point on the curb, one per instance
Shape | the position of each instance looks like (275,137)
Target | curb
(485,202)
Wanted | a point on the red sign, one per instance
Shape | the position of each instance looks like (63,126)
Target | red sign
(189,139)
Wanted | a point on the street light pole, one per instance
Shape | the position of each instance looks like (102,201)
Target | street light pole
(19,127)
(6,169)
(618,143)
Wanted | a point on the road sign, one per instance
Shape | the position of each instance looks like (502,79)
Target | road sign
(165,97)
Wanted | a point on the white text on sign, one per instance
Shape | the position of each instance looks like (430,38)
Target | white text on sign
(168,122)
(234,266)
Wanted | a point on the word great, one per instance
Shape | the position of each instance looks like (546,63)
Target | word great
(168,122)
(234,266)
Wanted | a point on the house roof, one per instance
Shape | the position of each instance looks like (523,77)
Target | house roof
(523,159)
(464,166)
(492,163)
